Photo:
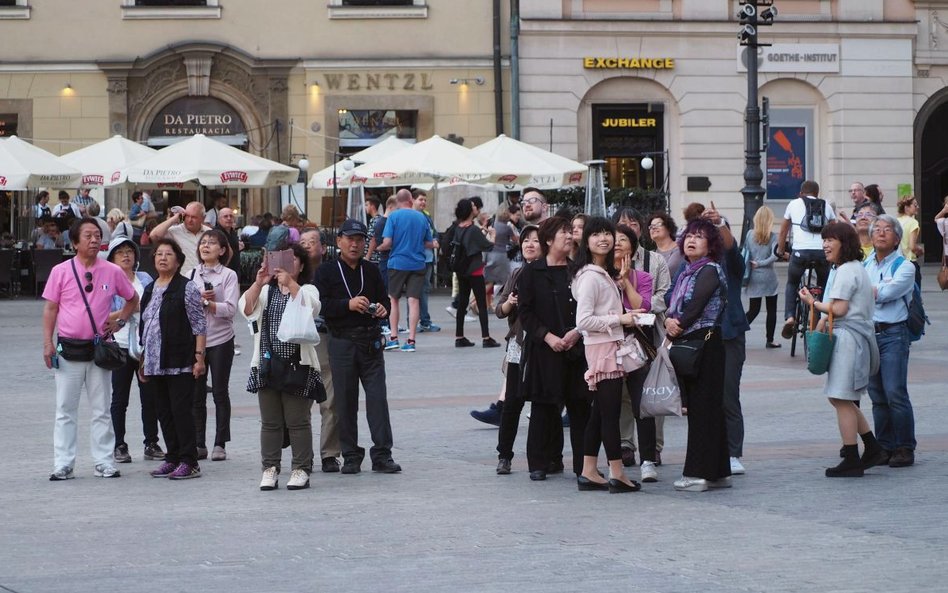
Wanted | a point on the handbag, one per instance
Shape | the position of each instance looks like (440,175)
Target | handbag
(297,325)
(943,275)
(134,344)
(106,353)
(661,395)
(819,345)
(686,352)
(630,355)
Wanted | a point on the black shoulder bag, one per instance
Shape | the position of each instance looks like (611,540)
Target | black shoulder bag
(107,354)
(687,351)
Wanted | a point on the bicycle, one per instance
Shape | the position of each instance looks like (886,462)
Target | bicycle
(802,312)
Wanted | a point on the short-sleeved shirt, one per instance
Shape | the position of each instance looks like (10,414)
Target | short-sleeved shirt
(850,282)
(409,230)
(188,242)
(108,280)
(909,226)
(796,212)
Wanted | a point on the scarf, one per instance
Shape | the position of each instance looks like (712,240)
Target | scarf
(681,286)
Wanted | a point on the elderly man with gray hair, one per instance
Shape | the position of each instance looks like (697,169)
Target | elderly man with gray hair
(893,280)
(186,228)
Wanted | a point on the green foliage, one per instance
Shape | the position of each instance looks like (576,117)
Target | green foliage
(645,201)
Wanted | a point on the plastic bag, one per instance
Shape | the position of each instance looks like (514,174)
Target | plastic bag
(297,325)
(661,395)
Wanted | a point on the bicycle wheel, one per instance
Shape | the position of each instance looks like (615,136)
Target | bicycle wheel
(797,327)
(804,325)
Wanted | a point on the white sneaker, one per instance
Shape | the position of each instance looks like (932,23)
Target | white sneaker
(469,319)
(452,311)
(299,479)
(649,473)
(736,468)
(269,481)
(106,470)
(724,482)
(691,484)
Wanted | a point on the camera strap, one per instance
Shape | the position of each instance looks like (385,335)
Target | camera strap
(346,283)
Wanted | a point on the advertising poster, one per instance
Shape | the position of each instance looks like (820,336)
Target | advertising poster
(786,162)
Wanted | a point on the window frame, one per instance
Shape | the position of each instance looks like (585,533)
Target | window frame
(19,11)
(418,9)
(132,11)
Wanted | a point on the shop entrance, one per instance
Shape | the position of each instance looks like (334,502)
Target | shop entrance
(623,135)
(932,163)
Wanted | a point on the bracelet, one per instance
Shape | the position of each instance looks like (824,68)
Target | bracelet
(199,352)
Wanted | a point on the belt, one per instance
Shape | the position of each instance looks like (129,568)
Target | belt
(881,327)
(356,333)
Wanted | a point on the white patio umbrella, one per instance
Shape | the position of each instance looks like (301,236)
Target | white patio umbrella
(104,164)
(324,179)
(548,170)
(210,163)
(438,160)
(24,166)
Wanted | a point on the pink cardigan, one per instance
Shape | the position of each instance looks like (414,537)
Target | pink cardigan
(597,306)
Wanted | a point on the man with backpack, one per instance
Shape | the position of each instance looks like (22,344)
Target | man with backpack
(806,215)
(893,280)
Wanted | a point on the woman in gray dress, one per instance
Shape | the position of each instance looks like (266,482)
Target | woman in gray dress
(760,244)
(855,358)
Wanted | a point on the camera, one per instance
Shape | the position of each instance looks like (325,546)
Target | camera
(373,309)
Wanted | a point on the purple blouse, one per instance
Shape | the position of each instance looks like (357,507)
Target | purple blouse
(151,330)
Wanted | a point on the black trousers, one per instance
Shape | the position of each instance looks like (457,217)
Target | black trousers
(219,359)
(734,357)
(645,427)
(353,361)
(545,434)
(707,453)
(467,284)
(798,264)
(510,416)
(174,400)
(603,424)
(754,309)
(121,392)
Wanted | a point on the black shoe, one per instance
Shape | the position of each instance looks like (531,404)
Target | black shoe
(873,457)
(902,457)
(386,467)
(773,345)
(330,465)
(628,457)
(153,452)
(202,452)
(352,466)
(538,475)
(847,468)
(503,467)
(462,343)
(620,487)
(555,467)
(490,343)
(584,484)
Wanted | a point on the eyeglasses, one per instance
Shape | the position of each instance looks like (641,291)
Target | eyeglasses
(857,190)
(532,201)
(210,242)
(695,236)
(88,287)
(655,227)
(866,215)
(882,230)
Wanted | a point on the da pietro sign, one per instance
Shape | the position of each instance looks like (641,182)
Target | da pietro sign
(197,115)
(793,57)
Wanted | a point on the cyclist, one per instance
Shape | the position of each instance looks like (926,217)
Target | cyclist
(803,216)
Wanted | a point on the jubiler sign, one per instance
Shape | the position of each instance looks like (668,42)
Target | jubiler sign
(197,115)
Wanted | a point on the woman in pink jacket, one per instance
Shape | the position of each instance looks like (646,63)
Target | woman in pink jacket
(600,318)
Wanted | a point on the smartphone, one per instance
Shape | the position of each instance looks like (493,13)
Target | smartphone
(54,361)
(208,286)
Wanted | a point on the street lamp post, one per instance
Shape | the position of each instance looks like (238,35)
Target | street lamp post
(751,18)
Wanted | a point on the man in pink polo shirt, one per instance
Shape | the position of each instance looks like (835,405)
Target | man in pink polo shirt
(98,280)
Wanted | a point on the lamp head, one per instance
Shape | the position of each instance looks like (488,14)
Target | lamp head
(647,163)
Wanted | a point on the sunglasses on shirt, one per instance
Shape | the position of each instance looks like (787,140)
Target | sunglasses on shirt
(88,287)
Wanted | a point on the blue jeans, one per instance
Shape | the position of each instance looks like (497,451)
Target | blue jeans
(888,390)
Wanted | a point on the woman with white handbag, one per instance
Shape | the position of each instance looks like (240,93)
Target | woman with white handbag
(600,319)
(284,374)
(220,289)
(124,253)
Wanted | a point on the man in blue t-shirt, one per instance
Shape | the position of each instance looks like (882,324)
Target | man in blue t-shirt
(406,235)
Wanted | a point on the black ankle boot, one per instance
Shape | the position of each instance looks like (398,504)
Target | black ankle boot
(849,467)
(873,454)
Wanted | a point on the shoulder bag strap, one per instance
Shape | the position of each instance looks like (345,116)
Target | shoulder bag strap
(75,273)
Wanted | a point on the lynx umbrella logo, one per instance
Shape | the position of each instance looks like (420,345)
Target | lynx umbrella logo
(93,180)
(116,176)
(3,181)
(231,176)
(507,179)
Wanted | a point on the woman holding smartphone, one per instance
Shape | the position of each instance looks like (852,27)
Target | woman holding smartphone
(220,291)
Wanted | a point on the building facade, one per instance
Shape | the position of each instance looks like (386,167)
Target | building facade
(856,91)
(307,82)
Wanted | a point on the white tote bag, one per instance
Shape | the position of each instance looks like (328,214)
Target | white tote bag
(297,325)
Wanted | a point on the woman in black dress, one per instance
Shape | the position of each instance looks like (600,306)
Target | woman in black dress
(553,360)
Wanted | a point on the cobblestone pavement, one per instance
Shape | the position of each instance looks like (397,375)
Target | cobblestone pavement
(448,523)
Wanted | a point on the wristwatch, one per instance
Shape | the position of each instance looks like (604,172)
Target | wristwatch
(206,302)
(121,322)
